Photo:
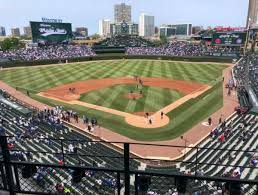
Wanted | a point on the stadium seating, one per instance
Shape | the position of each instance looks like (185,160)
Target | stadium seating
(41,146)
(246,74)
(91,149)
(121,41)
(59,52)
(182,48)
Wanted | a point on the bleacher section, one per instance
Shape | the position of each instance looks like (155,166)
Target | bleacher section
(246,74)
(118,43)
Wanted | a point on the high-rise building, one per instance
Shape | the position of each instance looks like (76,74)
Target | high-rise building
(104,27)
(146,25)
(82,31)
(166,31)
(27,31)
(252,13)
(15,32)
(2,31)
(122,13)
(176,30)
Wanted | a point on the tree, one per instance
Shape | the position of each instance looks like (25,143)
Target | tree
(10,43)
(25,37)
(163,40)
(95,37)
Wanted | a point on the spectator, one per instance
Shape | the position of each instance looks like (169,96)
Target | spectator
(47,53)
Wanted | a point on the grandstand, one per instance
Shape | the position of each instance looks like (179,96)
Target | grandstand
(246,75)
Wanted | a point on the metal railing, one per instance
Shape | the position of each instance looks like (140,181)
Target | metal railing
(37,177)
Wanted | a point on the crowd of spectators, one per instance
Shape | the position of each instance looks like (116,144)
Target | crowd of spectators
(222,49)
(123,41)
(180,48)
(246,74)
(134,46)
(46,53)
(171,49)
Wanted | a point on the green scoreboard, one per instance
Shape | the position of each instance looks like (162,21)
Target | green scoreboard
(229,38)
(50,32)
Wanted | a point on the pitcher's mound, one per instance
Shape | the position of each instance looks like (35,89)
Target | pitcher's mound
(132,96)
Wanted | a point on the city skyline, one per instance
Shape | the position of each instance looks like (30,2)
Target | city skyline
(88,16)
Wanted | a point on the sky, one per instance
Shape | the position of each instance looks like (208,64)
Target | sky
(87,13)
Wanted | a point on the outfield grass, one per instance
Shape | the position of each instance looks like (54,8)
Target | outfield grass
(154,98)
(36,79)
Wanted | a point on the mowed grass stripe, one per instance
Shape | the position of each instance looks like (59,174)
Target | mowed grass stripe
(100,72)
(166,93)
(174,70)
(34,86)
(154,99)
(211,71)
(52,80)
(189,72)
(126,70)
(166,71)
(149,74)
(129,105)
(157,69)
(114,95)
(97,97)
(132,106)
(184,74)
(89,72)
(204,73)
(140,67)
(35,71)
(109,73)
(63,73)
(143,73)
(51,72)
(59,75)
(214,68)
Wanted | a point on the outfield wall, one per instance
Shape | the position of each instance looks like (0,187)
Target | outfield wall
(117,57)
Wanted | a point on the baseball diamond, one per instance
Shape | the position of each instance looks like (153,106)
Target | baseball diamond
(135,107)
(93,83)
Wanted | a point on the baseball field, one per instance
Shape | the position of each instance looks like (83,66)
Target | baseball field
(112,85)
